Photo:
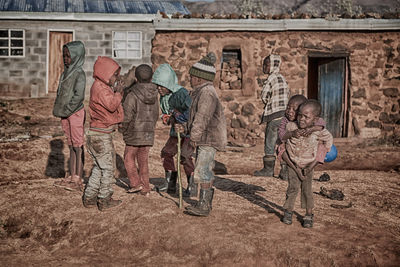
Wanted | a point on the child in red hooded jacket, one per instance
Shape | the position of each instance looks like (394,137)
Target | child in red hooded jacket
(106,113)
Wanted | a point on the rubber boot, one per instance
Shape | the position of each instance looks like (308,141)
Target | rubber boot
(172,183)
(284,172)
(204,206)
(107,203)
(89,202)
(164,187)
(268,170)
(191,190)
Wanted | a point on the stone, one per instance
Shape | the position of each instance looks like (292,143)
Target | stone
(370,132)
(233,106)
(248,109)
(372,124)
(236,85)
(360,93)
(293,43)
(359,46)
(385,118)
(391,92)
(374,107)
(362,112)
(242,121)
(235,123)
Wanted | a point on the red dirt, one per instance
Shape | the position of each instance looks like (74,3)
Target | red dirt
(41,224)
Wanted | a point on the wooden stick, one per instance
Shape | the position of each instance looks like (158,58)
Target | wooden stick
(178,159)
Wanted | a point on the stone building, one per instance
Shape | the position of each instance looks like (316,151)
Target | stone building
(352,66)
(32,33)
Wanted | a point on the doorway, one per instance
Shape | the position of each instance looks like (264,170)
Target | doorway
(327,83)
(55,65)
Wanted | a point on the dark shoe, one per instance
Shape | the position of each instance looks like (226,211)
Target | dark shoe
(268,170)
(308,221)
(324,177)
(89,202)
(107,203)
(191,190)
(164,186)
(284,172)
(287,217)
(204,206)
(172,183)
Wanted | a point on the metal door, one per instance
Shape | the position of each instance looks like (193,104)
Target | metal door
(331,74)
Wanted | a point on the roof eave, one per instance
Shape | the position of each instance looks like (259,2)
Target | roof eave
(78,16)
(275,25)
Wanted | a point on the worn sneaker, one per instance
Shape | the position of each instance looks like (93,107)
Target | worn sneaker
(287,217)
(308,221)
(89,202)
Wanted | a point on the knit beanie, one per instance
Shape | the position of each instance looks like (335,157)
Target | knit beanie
(204,68)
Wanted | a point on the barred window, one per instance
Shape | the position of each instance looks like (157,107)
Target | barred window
(127,44)
(12,43)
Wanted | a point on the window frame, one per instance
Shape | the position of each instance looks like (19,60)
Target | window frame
(9,47)
(126,49)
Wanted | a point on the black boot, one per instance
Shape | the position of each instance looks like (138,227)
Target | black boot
(172,183)
(164,186)
(191,190)
(204,206)
(284,172)
(268,170)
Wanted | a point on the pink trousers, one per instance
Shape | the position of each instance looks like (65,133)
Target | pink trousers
(138,174)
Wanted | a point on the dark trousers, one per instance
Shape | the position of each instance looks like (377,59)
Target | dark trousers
(171,149)
(294,186)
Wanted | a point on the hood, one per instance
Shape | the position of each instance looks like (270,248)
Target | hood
(104,68)
(275,65)
(77,52)
(165,76)
(146,92)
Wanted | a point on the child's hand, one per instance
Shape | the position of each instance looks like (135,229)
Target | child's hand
(307,132)
(179,128)
(119,86)
(297,133)
(165,119)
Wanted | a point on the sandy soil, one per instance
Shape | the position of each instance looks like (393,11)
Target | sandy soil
(44,225)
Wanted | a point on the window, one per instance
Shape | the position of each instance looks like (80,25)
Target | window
(231,72)
(127,44)
(12,43)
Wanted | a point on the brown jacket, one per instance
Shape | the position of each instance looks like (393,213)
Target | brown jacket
(206,124)
(141,115)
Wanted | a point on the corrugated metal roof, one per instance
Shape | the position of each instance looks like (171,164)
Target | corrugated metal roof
(94,6)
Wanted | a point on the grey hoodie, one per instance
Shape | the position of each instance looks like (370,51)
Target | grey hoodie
(71,88)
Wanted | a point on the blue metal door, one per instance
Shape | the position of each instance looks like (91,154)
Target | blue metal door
(331,75)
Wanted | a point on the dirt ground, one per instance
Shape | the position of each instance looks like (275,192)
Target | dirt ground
(44,225)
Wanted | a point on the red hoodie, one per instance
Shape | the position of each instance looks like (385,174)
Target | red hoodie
(105,106)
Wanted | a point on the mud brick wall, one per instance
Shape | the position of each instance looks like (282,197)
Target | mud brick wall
(20,76)
(373,79)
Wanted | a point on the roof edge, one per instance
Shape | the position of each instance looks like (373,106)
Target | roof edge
(275,25)
(78,16)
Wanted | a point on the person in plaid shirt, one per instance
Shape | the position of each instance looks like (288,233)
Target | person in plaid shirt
(275,95)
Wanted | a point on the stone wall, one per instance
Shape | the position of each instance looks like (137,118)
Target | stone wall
(22,76)
(373,78)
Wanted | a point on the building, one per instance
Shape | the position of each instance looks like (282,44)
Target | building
(352,66)
(32,33)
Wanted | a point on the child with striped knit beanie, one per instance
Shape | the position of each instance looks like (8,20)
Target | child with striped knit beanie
(207,128)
